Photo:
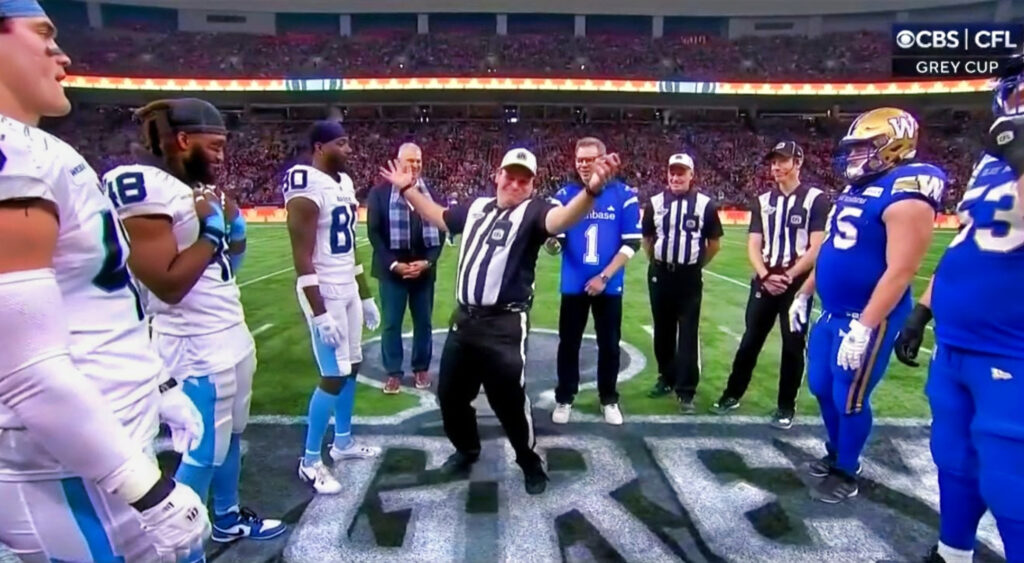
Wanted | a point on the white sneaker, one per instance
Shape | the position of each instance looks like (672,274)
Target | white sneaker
(612,414)
(561,413)
(355,451)
(319,475)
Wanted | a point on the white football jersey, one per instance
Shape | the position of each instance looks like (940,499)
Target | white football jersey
(214,302)
(334,257)
(109,341)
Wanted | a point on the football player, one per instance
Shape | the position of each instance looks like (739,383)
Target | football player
(80,389)
(181,255)
(332,293)
(878,232)
(976,377)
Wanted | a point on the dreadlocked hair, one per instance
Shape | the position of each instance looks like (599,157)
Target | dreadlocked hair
(156,129)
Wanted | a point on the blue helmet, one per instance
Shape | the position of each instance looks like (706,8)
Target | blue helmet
(1008,99)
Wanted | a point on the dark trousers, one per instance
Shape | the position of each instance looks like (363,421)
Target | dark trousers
(675,306)
(572,320)
(763,309)
(489,350)
(395,294)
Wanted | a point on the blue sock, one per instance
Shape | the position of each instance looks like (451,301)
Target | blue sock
(320,406)
(854,430)
(343,407)
(225,478)
(1012,532)
(196,477)
(960,508)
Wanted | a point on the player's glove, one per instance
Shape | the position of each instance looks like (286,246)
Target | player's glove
(908,341)
(179,413)
(371,316)
(328,329)
(552,246)
(798,312)
(1006,140)
(211,217)
(854,346)
(177,524)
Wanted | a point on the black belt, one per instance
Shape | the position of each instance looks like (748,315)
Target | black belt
(672,266)
(491,310)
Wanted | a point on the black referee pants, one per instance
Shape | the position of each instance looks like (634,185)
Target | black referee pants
(676,294)
(763,309)
(489,349)
(572,320)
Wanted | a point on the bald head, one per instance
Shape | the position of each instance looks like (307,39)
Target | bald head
(410,155)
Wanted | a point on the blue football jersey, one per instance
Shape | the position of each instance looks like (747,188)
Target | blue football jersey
(590,245)
(976,293)
(852,258)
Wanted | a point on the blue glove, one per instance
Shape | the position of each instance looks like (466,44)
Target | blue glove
(237,228)
(213,227)
(236,261)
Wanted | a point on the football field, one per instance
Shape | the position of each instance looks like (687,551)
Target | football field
(287,374)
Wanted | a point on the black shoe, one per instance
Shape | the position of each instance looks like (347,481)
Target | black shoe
(822,467)
(933,556)
(535,480)
(459,465)
(660,389)
(835,488)
(725,404)
(783,419)
(686,405)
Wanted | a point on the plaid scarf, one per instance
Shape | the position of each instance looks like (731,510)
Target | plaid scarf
(400,222)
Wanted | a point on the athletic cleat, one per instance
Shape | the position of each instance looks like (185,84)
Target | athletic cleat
(535,480)
(725,404)
(782,419)
(612,414)
(660,389)
(822,467)
(561,413)
(355,451)
(458,465)
(686,405)
(835,488)
(320,476)
(245,523)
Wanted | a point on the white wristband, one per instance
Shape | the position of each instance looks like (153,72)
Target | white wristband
(627,250)
(358,269)
(308,280)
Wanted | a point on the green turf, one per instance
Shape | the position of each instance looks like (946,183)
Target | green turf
(287,373)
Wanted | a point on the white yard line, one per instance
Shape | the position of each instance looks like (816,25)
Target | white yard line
(262,328)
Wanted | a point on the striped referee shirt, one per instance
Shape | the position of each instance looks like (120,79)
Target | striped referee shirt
(681,225)
(786,222)
(498,253)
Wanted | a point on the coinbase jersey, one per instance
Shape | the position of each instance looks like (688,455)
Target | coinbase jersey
(214,302)
(109,342)
(590,245)
(852,258)
(976,292)
(334,258)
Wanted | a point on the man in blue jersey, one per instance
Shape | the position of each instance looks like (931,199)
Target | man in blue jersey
(878,233)
(595,251)
(976,377)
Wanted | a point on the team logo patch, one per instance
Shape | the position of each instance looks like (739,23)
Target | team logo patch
(690,224)
(1004,138)
(521,155)
(498,234)
(873,191)
(796,220)
(780,146)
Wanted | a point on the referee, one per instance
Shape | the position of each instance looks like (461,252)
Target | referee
(681,233)
(487,340)
(787,225)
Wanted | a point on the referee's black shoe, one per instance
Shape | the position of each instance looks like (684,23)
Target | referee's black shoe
(458,465)
(535,479)
(660,389)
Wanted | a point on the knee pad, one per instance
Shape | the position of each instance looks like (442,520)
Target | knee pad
(332,385)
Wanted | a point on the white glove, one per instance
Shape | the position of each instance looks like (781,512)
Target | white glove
(328,329)
(370,313)
(798,312)
(854,345)
(177,525)
(179,413)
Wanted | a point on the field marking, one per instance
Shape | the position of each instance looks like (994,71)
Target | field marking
(726,330)
(649,330)
(283,270)
(262,328)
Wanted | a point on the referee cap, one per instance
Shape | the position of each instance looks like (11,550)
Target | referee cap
(520,157)
(787,149)
(682,159)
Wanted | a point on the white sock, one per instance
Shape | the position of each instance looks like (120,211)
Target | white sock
(953,555)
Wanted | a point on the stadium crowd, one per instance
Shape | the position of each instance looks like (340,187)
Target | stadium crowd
(859,55)
(460,156)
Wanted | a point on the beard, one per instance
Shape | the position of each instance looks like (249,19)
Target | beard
(198,168)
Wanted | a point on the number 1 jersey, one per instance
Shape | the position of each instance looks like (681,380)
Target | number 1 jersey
(214,302)
(976,292)
(334,257)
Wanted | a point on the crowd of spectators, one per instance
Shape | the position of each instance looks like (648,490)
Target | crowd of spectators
(461,156)
(849,55)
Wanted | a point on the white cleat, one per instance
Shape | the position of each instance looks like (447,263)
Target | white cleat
(612,414)
(355,451)
(320,476)
(561,413)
